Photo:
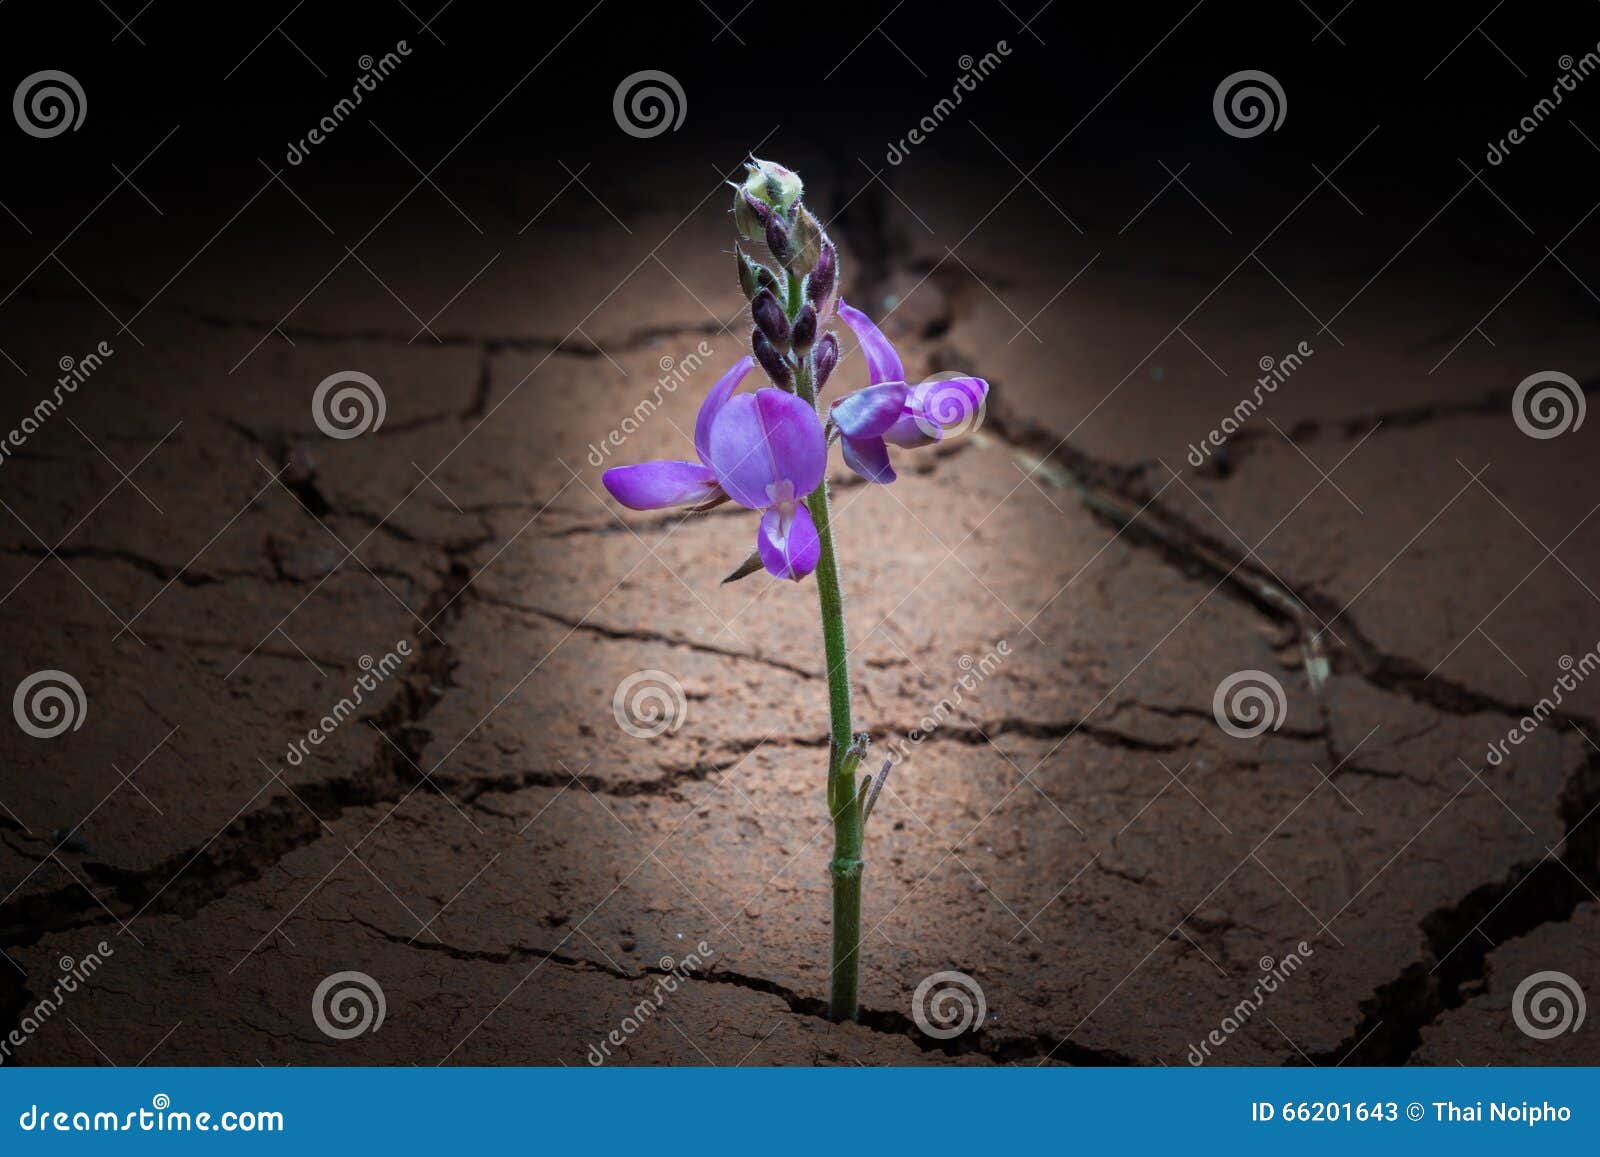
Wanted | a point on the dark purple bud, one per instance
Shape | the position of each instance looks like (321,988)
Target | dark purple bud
(820,283)
(805,328)
(769,357)
(778,238)
(826,357)
(769,316)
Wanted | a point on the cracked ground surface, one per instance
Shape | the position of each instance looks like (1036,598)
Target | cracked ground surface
(518,873)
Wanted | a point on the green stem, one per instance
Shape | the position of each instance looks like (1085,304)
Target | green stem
(843,802)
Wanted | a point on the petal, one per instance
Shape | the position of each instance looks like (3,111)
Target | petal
(938,407)
(912,428)
(790,553)
(715,400)
(883,364)
(654,485)
(868,413)
(765,438)
(868,457)
(954,404)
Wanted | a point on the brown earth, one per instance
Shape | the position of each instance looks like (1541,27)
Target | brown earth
(518,874)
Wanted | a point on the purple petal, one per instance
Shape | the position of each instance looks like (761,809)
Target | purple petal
(868,457)
(789,552)
(868,413)
(937,407)
(767,440)
(715,400)
(654,485)
(883,364)
(913,427)
(954,404)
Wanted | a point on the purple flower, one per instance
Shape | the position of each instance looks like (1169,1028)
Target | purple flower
(764,450)
(654,485)
(889,412)
(768,451)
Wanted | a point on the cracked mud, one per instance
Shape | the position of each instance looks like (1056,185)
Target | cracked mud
(1079,835)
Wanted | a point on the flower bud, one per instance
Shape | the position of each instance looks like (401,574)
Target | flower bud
(778,239)
(769,317)
(808,241)
(750,215)
(826,357)
(772,184)
(823,274)
(805,328)
(769,357)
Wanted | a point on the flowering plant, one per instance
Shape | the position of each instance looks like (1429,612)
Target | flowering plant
(767,450)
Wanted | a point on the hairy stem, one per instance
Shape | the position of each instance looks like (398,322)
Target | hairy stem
(843,802)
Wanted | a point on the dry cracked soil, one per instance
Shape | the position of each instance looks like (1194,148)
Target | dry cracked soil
(519,875)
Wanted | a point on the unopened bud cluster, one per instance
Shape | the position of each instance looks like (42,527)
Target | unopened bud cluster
(789,271)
